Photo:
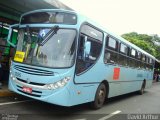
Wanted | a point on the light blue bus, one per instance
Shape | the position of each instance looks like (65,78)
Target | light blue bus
(65,59)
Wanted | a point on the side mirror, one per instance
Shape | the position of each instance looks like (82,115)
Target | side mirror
(87,48)
(10,33)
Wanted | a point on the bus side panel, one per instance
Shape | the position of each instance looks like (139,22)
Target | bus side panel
(82,93)
(86,83)
(114,89)
(95,74)
(134,80)
(131,80)
(149,80)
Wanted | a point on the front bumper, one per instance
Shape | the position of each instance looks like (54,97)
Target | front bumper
(59,96)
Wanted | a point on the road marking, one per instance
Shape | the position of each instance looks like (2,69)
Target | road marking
(110,115)
(8,103)
(81,119)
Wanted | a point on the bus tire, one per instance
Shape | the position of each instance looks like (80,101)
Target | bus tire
(141,91)
(99,97)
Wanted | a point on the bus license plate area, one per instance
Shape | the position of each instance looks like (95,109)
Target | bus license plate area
(27,89)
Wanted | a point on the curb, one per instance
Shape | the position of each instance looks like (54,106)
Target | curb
(4,93)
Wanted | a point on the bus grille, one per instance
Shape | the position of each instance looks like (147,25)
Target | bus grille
(32,83)
(33,71)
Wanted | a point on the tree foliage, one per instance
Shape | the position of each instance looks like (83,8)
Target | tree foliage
(149,43)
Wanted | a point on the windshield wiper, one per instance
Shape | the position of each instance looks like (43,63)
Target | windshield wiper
(52,32)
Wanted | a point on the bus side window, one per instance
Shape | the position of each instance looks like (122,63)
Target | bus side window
(123,59)
(132,59)
(95,38)
(107,57)
(143,61)
(139,56)
(111,48)
(147,63)
(150,63)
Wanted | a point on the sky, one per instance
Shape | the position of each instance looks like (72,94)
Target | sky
(121,16)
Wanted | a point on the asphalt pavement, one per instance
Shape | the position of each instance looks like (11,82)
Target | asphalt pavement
(130,107)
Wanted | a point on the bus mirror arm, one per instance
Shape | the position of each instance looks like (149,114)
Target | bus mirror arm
(10,33)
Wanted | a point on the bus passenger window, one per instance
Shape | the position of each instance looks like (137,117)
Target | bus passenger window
(111,54)
(123,60)
(150,64)
(138,64)
(143,58)
(110,57)
(146,64)
(107,57)
(132,60)
(143,61)
(112,43)
(139,55)
(133,53)
(123,49)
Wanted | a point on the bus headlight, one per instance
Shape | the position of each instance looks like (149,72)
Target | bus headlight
(12,76)
(58,84)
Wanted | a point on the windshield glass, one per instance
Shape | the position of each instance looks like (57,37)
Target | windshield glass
(57,51)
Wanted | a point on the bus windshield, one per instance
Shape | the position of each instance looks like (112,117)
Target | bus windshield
(57,52)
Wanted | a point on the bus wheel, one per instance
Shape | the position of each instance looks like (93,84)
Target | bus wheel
(141,91)
(99,97)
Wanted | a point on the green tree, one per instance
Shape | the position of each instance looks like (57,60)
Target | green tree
(145,42)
